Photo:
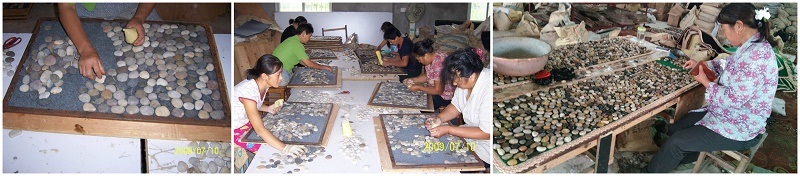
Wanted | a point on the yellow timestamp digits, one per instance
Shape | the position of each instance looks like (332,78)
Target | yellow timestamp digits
(195,150)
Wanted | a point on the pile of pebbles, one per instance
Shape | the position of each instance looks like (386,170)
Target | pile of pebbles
(279,161)
(284,126)
(536,122)
(593,53)
(397,94)
(8,59)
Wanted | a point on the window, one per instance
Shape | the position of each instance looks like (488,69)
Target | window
(478,11)
(304,7)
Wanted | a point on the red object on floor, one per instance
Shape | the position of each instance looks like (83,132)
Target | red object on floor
(11,42)
(542,74)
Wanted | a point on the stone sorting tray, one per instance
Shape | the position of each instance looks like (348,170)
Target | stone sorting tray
(581,120)
(366,54)
(370,66)
(22,110)
(296,114)
(397,95)
(404,144)
(309,77)
(321,54)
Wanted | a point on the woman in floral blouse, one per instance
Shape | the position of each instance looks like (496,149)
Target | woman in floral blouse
(739,104)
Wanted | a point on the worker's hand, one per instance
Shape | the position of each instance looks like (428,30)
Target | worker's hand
(329,68)
(136,23)
(90,65)
(432,122)
(294,150)
(274,108)
(415,88)
(690,64)
(440,131)
(408,81)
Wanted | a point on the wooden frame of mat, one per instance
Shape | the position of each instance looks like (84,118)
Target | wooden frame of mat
(387,159)
(428,108)
(338,80)
(323,141)
(118,125)
(686,98)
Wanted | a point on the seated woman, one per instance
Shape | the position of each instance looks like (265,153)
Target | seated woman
(293,51)
(472,99)
(738,105)
(411,67)
(290,30)
(247,108)
(384,27)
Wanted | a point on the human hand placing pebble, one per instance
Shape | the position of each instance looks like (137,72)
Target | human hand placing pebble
(90,64)
(432,122)
(294,150)
(440,131)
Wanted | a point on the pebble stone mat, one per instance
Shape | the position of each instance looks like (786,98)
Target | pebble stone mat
(537,122)
(170,75)
(396,94)
(8,59)
(321,54)
(209,157)
(322,38)
(279,161)
(304,76)
(408,138)
(366,54)
(370,66)
(297,122)
(319,97)
(596,52)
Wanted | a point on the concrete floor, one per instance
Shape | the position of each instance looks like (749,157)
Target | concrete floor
(222,25)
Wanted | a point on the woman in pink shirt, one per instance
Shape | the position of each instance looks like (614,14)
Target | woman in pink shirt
(738,104)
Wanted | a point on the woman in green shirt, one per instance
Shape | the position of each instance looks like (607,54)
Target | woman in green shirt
(292,51)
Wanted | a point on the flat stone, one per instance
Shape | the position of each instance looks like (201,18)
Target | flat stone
(162,111)
(147,110)
(203,114)
(106,94)
(89,107)
(174,94)
(132,109)
(218,115)
(177,112)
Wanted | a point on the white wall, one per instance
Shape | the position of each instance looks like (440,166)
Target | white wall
(366,24)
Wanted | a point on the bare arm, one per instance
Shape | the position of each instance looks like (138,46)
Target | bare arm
(383,43)
(258,124)
(400,62)
(311,64)
(467,132)
(436,89)
(449,113)
(142,11)
(89,63)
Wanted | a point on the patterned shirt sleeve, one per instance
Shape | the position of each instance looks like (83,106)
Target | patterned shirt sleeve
(739,91)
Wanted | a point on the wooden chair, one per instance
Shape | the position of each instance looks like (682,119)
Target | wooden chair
(276,93)
(716,158)
(336,29)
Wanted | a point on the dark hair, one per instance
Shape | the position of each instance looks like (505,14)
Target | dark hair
(298,20)
(386,25)
(422,47)
(267,64)
(391,33)
(746,13)
(306,27)
(463,62)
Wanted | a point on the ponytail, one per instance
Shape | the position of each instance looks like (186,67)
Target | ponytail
(764,32)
